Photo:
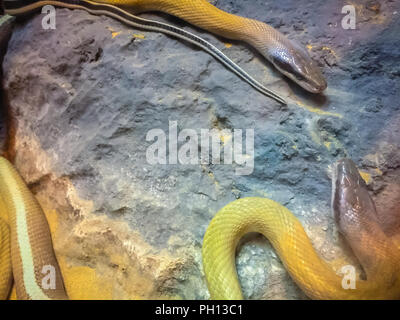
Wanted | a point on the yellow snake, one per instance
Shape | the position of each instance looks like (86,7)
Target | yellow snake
(26,251)
(287,56)
(26,247)
(357,221)
(25,241)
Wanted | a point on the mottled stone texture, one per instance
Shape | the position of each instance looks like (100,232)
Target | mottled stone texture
(84,96)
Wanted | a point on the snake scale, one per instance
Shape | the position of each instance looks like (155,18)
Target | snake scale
(356,218)
(25,240)
(26,243)
(287,56)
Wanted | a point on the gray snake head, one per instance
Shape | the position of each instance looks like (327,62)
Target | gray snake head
(352,205)
(294,62)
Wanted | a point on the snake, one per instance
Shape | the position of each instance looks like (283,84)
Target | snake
(26,253)
(356,218)
(26,250)
(287,56)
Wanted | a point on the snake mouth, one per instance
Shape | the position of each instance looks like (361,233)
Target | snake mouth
(316,84)
(300,69)
(316,87)
(295,62)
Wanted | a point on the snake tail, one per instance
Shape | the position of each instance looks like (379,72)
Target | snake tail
(20,7)
(288,56)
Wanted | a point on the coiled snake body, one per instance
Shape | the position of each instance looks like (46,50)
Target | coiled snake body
(25,241)
(356,218)
(30,243)
(26,249)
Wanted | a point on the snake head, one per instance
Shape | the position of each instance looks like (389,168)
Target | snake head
(351,202)
(293,61)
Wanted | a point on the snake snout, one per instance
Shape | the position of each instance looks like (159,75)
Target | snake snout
(351,203)
(344,193)
(346,183)
(316,86)
(347,174)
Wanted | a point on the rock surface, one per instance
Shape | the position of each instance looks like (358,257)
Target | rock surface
(84,96)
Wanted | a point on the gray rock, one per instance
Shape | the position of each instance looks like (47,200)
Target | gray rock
(89,95)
